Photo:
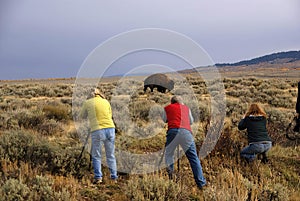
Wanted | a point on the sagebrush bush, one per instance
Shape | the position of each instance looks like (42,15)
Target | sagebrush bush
(140,109)
(57,160)
(57,111)
(271,91)
(15,145)
(37,90)
(245,93)
(231,186)
(154,188)
(159,99)
(156,111)
(42,188)
(275,191)
(280,100)
(49,127)
(29,119)
(127,87)
(234,108)
(182,91)
(121,113)
(202,112)
(14,189)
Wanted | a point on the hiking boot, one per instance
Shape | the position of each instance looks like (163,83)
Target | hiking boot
(247,161)
(264,158)
(170,176)
(97,181)
(201,188)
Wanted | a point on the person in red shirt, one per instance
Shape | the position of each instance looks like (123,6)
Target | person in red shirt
(179,119)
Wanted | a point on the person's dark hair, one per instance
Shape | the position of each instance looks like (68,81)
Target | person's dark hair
(176,99)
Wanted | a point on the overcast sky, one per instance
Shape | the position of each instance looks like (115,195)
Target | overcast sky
(52,38)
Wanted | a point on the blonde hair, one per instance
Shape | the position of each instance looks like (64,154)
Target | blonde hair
(95,92)
(98,92)
(255,110)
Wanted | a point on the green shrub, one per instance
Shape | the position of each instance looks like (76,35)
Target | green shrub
(140,109)
(14,190)
(200,112)
(242,93)
(7,121)
(274,192)
(271,91)
(154,188)
(182,91)
(44,153)
(67,101)
(156,112)
(49,127)
(58,112)
(57,160)
(127,86)
(121,113)
(159,99)
(29,120)
(15,145)
(42,188)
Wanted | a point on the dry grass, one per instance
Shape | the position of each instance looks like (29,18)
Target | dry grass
(52,175)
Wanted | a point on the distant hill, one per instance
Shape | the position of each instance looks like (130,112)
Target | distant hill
(280,57)
(282,64)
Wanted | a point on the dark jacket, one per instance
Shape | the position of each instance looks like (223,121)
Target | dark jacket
(298,99)
(256,128)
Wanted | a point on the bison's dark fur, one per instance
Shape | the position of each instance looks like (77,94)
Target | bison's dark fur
(159,81)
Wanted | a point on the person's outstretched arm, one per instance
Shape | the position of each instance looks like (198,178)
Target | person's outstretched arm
(164,117)
(298,100)
(191,117)
(242,124)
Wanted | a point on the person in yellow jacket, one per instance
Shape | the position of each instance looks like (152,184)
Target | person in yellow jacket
(98,110)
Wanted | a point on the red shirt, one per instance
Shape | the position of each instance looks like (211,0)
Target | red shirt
(178,116)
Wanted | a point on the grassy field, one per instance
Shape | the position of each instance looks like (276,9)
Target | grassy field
(39,145)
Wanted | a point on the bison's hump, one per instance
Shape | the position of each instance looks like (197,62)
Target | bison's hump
(157,79)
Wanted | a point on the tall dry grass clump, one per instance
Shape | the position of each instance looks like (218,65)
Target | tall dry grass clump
(154,187)
(229,185)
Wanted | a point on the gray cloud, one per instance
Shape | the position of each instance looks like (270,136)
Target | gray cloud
(52,38)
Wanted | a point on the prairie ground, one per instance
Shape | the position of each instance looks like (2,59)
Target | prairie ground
(40,146)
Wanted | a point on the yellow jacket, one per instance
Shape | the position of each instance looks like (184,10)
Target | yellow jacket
(98,111)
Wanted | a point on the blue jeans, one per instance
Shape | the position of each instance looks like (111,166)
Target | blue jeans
(251,150)
(185,139)
(104,136)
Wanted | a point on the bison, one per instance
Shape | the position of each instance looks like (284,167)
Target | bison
(159,81)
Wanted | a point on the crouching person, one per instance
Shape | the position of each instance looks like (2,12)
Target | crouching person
(179,118)
(259,141)
(99,113)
